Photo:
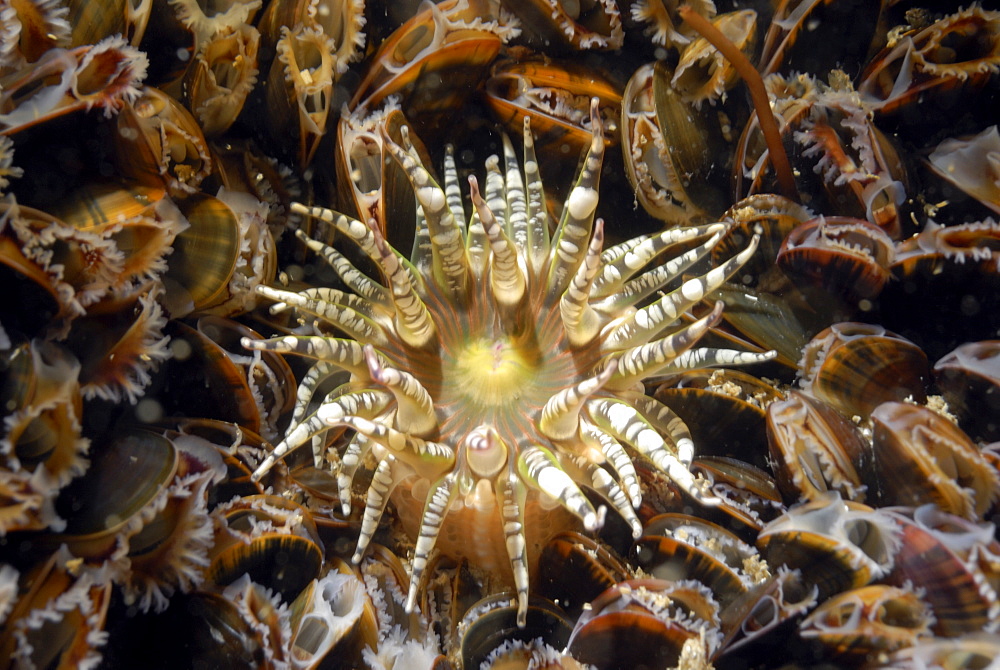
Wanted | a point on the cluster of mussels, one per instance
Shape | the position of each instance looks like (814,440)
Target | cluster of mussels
(223,238)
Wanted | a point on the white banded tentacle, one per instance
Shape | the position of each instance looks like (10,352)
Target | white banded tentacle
(383,482)
(414,405)
(580,321)
(351,321)
(623,261)
(538,245)
(507,280)
(512,494)
(603,483)
(450,264)
(355,280)
(413,322)
(627,424)
(704,357)
(569,243)
(560,418)
(540,468)
(617,458)
(436,507)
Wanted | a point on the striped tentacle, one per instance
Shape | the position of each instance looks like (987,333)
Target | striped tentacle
(539,468)
(507,280)
(569,243)
(627,424)
(450,264)
(580,321)
(413,322)
(386,477)
(560,418)
(538,243)
(439,499)
(426,457)
(645,323)
(704,357)
(355,280)
(350,462)
(346,354)
(645,360)
(623,260)
(603,483)
(355,230)
(665,420)
(310,301)
(353,322)
(616,289)
(516,200)
(614,454)
(453,187)
(343,401)
(512,493)
(414,405)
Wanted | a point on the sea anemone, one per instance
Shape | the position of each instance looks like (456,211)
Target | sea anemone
(498,371)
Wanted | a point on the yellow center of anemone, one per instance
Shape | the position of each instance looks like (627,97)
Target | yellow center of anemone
(493,372)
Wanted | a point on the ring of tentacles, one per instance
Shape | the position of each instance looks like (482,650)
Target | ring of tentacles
(501,365)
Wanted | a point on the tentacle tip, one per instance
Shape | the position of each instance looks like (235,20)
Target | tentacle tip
(371,359)
(594,521)
(356,558)
(248,343)
(636,531)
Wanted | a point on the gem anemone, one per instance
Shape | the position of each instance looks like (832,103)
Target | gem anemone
(500,367)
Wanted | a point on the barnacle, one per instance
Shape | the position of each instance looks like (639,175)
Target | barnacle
(499,361)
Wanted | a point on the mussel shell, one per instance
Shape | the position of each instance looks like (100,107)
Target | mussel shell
(768,612)
(939,555)
(513,84)
(31,301)
(214,631)
(159,144)
(922,457)
(627,628)
(332,620)
(774,216)
(953,268)
(845,256)
(205,255)
(856,367)
(734,397)
(574,569)
(679,547)
(283,563)
(750,495)
(493,621)
(969,379)
(205,383)
(838,544)
(58,619)
(814,448)
(669,150)
(97,505)
(871,620)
